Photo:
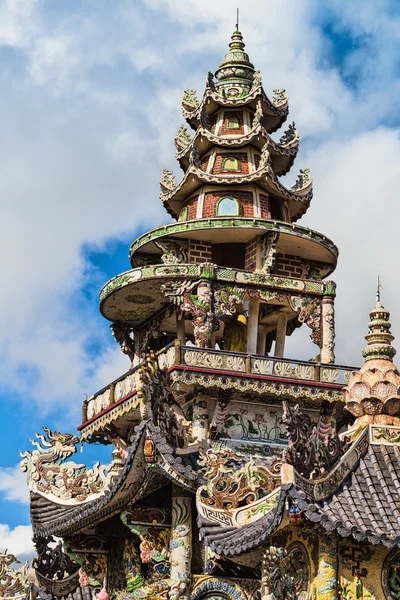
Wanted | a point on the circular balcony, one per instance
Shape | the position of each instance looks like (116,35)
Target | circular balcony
(293,239)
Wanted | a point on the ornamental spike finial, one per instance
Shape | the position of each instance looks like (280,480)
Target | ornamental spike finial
(378,291)
(236,67)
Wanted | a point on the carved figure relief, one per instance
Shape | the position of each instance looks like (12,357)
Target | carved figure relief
(174,251)
(312,450)
(122,335)
(167,181)
(233,480)
(391,575)
(290,135)
(182,138)
(268,252)
(189,101)
(303,180)
(11,581)
(276,577)
(48,474)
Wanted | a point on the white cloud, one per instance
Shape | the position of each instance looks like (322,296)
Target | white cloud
(17,541)
(17,22)
(13,485)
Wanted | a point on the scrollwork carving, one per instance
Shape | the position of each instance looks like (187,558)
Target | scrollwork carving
(233,480)
(122,335)
(167,181)
(48,474)
(313,449)
(258,115)
(11,581)
(182,138)
(277,580)
(280,97)
(174,251)
(290,136)
(268,252)
(190,103)
(52,562)
(303,180)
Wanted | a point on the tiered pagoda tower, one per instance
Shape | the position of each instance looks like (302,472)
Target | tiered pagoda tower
(237,473)
(234,249)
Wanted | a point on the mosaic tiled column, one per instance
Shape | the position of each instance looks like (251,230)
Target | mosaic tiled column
(181,544)
(281,334)
(200,418)
(252,325)
(180,329)
(328,325)
(327,568)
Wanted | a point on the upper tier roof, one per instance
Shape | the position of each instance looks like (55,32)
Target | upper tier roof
(239,89)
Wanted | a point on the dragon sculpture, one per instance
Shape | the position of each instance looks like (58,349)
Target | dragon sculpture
(48,474)
(13,582)
(313,449)
(232,480)
(277,579)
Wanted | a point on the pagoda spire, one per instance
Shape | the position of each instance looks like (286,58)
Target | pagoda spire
(379,339)
(236,64)
(373,392)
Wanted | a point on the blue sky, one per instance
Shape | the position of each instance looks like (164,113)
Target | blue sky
(89,107)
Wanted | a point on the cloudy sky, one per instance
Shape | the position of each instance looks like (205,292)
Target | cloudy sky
(89,105)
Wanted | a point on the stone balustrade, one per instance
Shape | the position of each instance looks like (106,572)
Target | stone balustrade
(124,388)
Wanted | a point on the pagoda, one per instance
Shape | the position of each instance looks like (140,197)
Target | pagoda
(237,473)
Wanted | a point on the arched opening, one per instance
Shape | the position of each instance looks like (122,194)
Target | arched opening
(183,216)
(276,209)
(232,123)
(230,163)
(227,206)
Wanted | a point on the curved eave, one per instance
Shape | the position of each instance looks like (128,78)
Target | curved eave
(49,518)
(352,509)
(244,229)
(282,156)
(230,541)
(275,113)
(135,295)
(298,200)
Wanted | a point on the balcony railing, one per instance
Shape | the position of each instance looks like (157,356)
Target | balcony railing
(124,388)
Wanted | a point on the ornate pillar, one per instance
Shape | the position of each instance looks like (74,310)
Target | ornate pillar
(281,334)
(200,418)
(180,328)
(327,567)
(261,339)
(328,323)
(137,357)
(252,325)
(181,544)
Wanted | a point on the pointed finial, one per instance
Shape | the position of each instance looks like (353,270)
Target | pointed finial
(378,291)
(237,19)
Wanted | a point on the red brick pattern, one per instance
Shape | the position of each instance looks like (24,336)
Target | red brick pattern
(289,265)
(264,206)
(257,158)
(192,208)
(238,115)
(251,255)
(204,164)
(240,156)
(199,252)
(245,200)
